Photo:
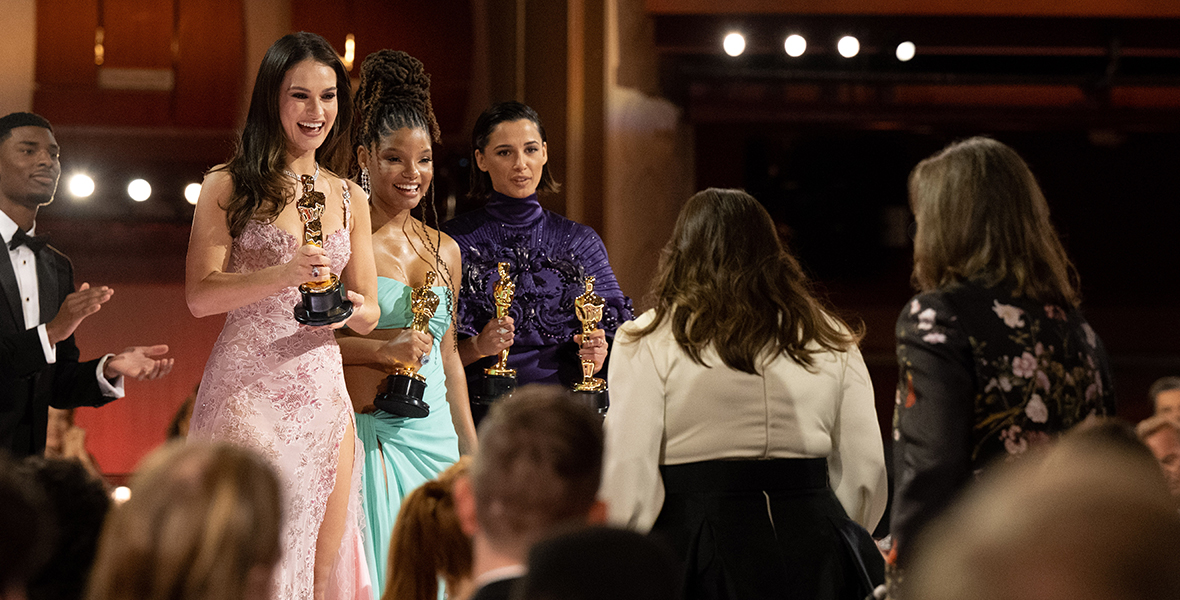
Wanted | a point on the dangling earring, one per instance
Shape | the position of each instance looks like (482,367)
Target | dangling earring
(365,179)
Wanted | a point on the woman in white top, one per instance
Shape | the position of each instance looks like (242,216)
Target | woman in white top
(742,426)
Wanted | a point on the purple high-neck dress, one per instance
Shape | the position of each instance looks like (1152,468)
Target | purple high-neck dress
(550,257)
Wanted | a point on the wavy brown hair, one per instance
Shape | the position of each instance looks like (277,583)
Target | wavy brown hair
(261,189)
(981,216)
(725,280)
(428,540)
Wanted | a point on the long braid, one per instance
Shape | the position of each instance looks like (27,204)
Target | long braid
(395,93)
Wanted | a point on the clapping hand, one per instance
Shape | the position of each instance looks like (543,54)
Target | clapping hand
(77,306)
(138,362)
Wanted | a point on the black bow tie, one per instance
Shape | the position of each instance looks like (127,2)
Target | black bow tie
(33,242)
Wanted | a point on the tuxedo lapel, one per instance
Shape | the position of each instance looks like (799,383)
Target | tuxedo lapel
(48,284)
(11,291)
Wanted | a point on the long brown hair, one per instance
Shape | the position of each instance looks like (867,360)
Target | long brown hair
(428,540)
(261,190)
(202,524)
(726,280)
(981,216)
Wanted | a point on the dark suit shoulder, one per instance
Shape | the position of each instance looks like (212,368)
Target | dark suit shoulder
(496,590)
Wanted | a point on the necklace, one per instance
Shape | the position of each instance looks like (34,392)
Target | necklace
(304,178)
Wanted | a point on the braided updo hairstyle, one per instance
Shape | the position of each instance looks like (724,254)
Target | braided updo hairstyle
(394,93)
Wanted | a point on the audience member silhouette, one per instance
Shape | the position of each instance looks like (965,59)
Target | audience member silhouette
(79,504)
(26,530)
(537,469)
(591,563)
(1085,520)
(202,523)
(429,543)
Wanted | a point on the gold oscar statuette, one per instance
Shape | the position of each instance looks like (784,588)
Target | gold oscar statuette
(502,295)
(404,387)
(324,300)
(589,308)
(499,381)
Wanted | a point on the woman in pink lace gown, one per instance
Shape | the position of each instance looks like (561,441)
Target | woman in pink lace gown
(272,384)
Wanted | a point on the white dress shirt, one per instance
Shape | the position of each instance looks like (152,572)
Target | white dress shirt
(24,264)
(667,410)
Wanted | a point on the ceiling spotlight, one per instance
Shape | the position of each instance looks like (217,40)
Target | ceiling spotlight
(906,51)
(734,44)
(192,191)
(848,46)
(81,186)
(795,45)
(139,190)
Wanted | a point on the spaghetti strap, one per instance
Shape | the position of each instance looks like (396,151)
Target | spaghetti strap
(347,205)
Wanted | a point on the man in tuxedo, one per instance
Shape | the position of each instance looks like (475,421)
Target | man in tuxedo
(536,472)
(39,309)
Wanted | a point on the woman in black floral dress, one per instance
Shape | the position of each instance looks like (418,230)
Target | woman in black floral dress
(994,356)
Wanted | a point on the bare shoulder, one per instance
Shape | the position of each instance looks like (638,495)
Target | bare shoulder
(218,180)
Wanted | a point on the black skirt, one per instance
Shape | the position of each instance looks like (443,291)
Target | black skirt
(753,529)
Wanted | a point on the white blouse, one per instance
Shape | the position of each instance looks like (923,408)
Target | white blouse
(666,410)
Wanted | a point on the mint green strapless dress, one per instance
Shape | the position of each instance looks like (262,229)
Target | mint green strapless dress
(402,454)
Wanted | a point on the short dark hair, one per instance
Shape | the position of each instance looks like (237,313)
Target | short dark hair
(539,465)
(504,112)
(26,527)
(21,119)
(599,562)
(1161,385)
(80,503)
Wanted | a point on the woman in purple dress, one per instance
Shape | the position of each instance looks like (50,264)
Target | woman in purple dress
(549,257)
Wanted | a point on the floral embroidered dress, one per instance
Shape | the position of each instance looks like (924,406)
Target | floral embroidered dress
(984,376)
(277,387)
(550,257)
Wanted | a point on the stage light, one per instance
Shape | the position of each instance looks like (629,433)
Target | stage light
(349,50)
(795,45)
(81,186)
(121,494)
(906,51)
(734,44)
(192,191)
(139,190)
(848,46)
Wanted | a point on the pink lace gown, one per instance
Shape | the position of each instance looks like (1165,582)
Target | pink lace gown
(277,387)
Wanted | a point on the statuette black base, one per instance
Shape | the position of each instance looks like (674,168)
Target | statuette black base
(402,397)
(323,307)
(494,387)
(597,401)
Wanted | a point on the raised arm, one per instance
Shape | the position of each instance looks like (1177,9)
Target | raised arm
(209,289)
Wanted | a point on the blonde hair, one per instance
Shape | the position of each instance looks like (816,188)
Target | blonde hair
(201,521)
(428,540)
(982,216)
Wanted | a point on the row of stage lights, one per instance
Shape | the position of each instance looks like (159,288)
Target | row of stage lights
(82,186)
(795,45)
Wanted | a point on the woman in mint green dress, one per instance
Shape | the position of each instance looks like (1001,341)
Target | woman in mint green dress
(395,130)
